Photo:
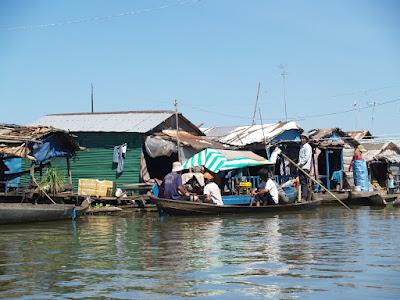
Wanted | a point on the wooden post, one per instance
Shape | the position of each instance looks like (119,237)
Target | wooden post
(32,172)
(342,168)
(69,172)
(328,181)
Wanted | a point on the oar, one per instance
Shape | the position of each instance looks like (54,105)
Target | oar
(315,181)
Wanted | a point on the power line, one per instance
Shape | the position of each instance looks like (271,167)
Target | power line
(100,18)
(359,108)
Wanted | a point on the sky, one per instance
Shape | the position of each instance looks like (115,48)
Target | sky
(210,55)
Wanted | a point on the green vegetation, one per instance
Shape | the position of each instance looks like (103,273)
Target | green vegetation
(52,181)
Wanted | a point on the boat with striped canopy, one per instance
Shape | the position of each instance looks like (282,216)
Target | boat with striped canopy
(216,160)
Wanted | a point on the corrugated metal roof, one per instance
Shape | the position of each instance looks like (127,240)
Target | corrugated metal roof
(246,135)
(129,121)
(196,142)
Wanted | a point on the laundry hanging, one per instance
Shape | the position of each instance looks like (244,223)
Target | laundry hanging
(119,155)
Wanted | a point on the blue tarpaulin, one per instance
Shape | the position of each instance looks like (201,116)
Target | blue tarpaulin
(360,172)
(47,150)
(15,166)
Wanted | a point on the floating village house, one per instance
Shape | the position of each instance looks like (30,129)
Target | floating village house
(26,149)
(333,152)
(103,133)
(262,139)
(381,158)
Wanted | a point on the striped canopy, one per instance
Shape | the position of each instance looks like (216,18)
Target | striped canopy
(220,160)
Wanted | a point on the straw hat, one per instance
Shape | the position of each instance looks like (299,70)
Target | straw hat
(361,148)
(177,166)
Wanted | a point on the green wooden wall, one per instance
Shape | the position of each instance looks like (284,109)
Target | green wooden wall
(96,161)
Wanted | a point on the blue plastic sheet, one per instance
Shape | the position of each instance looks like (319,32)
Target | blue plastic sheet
(360,172)
(14,166)
(46,151)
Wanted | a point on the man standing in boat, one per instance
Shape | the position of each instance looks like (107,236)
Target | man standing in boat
(173,188)
(305,155)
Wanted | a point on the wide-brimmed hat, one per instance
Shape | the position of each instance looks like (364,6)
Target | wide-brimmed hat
(305,135)
(177,166)
(361,148)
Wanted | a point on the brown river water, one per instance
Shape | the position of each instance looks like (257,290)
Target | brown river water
(327,253)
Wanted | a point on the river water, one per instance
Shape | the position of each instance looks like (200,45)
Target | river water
(328,252)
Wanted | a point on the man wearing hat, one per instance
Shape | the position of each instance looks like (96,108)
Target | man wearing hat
(173,188)
(305,155)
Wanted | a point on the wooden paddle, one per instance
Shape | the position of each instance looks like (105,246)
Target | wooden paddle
(315,181)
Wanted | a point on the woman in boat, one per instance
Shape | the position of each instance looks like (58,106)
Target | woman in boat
(212,192)
(267,192)
(357,155)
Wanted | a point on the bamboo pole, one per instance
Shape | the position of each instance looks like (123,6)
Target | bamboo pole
(34,180)
(315,181)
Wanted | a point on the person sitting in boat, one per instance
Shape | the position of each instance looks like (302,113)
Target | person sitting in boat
(290,191)
(172,183)
(267,192)
(212,192)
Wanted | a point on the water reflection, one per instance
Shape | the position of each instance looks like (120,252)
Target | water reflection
(327,252)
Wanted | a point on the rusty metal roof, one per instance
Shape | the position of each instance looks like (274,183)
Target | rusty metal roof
(196,142)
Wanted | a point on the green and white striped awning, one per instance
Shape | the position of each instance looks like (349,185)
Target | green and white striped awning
(219,160)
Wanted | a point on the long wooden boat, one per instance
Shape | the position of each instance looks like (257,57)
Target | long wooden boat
(373,198)
(177,207)
(27,212)
(366,198)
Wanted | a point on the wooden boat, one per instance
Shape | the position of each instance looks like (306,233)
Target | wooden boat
(177,207)
(353,198)
(373,198)
(27,212)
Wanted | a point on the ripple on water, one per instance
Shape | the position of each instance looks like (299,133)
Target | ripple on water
(323,253)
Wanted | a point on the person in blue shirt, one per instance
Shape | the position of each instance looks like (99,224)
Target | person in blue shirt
(173,188)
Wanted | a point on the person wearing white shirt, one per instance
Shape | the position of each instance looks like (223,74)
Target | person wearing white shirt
(305,155)
(267,191)
(211,190)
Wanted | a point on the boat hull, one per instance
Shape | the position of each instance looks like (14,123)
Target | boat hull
(173,207)
(25,212)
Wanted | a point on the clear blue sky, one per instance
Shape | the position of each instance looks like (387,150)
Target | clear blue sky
(210,55)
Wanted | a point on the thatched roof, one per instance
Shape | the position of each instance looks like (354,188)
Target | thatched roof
(16,141)
(381,151)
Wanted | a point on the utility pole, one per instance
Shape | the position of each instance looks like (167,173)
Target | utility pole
(356,106)
(283,74)
(256,105)
(92,97)
(373,104)
(177,130)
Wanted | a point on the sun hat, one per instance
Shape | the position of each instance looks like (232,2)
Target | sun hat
(305,135)
(177,166)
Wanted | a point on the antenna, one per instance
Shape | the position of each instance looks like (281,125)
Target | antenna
(92,97)
(255,106)
(373,104)
(283,74)
(177,130)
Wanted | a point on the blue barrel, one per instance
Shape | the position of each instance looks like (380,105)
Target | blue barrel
(360,172)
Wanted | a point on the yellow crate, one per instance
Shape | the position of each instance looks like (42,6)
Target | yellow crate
(104,188)
(95,187)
